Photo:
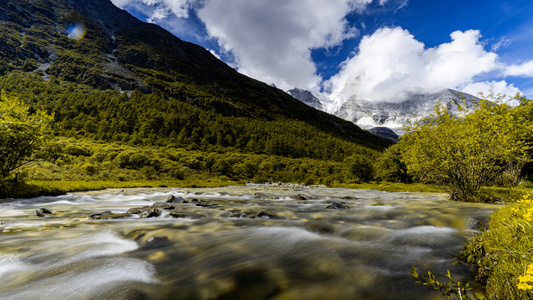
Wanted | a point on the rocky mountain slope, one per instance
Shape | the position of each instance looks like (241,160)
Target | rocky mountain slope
(306,97)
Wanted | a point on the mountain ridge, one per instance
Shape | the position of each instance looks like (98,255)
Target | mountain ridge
(375,116)
(394,115)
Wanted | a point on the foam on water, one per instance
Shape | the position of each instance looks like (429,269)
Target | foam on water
(98,278)
(9,265)
(72,266)
(425,236)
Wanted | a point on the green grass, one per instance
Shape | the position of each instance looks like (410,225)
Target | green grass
(502,253)
(392,187)
(35,188)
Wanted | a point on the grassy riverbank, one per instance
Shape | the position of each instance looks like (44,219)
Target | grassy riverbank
(392,187)
(502,254)
(34,188)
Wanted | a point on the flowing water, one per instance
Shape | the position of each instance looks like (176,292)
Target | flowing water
(253,242)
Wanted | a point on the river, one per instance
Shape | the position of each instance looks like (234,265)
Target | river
(246,242)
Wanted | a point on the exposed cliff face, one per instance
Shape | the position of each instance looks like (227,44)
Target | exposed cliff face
(306,97)
(368,114)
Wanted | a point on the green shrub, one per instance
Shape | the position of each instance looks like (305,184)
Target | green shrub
(390,166)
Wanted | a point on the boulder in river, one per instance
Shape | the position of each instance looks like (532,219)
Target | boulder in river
(42,211)
(205,203)
(253,215)
(177,214)
(337,205)
(163,205)
(175,199)
(299,197)
(108,215)
(153,213)
(138,210)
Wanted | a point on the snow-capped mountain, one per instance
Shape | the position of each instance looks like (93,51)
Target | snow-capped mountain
(368,114)
(306,97)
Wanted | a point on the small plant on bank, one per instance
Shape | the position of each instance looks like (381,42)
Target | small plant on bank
(452,289)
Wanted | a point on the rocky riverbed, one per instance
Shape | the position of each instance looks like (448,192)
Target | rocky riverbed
(252,242)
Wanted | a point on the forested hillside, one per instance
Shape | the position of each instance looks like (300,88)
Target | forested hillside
(127,82)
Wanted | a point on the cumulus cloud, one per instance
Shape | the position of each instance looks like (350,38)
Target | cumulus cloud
(487,87)
(272,40)
(391,63)
(523,70)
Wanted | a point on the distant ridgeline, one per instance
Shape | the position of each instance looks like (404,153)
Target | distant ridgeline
(107,76)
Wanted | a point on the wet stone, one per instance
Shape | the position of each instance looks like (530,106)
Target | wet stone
(253,215)
(176,214)
(175,199)
(137,210)
(204,203)
(299,197)
(266,215)
(162,205)
(337,205)
(108,215)
(154,213)
(42,211)
(156,242)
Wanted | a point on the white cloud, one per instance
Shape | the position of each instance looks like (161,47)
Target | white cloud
(524,69)
(391,63)
(494,87)
(272,40)
(502,43)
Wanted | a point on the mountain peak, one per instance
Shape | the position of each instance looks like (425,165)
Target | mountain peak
(368,114)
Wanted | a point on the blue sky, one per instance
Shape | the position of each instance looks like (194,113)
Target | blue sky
(379,50)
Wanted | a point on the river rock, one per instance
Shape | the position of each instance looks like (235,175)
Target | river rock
(153,213)
(266,215)
(253,215)
(42,211)
(108,215)
(175,199)
(299,197)
(337,205)
(156,242)
(204,203)
(163,205)
(176,214)
(138,210)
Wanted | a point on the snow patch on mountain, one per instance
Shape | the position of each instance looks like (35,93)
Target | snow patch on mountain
(369,114)
(377,117)
(306,97)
